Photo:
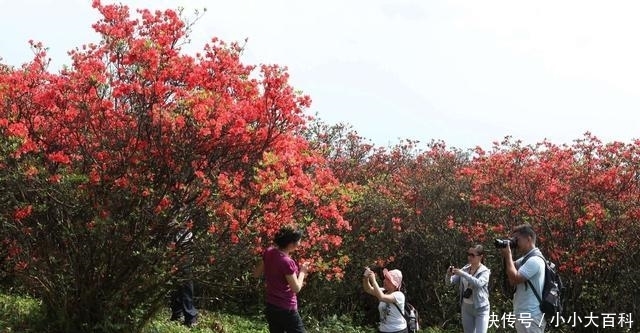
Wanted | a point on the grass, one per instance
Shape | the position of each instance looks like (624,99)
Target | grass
(216,322)
(25,314)
(20,314)
(213,322)
(209,322)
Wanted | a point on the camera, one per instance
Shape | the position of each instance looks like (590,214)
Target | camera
(503,243)
(467,293)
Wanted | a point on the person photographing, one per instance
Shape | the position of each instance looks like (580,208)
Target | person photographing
(529,267)
(283,282)
(472,281)
(391,299)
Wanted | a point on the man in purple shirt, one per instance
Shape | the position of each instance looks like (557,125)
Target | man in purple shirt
(283,281)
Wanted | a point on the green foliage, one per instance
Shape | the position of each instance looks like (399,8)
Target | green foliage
(335,324)
(104,163)
(209,322)
(419,210)
(21,314)
(320,297)
(25,314)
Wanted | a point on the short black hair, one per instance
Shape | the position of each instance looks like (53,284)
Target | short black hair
(525,230)
(287,235)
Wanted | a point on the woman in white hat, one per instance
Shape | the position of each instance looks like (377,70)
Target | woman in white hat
(390,297)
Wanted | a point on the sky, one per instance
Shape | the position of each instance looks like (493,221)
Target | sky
(465,72)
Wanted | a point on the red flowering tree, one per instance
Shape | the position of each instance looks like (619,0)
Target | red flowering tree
(414,195)
(105,162)
(404,198)
(584,202)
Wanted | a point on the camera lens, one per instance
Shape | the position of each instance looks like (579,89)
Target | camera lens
(500,243)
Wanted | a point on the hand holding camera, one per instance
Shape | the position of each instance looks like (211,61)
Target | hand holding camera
(453,270)
(504,243)
(367,272)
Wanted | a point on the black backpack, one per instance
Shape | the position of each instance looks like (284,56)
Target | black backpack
(410,314)
(551,300)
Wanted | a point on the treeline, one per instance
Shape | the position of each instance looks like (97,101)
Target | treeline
(419,209)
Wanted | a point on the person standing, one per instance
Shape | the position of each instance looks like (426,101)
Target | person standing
(283,282)
(182,304)
(182,298)
(529,267)
(473,285)
(391,299)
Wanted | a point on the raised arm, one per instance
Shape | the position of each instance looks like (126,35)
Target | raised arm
(366,285)
(513,275)
(377,291)
(296,282)
(451,278)
(477,282)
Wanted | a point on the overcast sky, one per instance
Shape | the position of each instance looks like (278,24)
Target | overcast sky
(466,72)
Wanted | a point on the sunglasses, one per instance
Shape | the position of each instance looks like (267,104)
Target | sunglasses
(469,254)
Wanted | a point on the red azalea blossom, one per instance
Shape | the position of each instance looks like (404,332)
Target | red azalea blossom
(23,212)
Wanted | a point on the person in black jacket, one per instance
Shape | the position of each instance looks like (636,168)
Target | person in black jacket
(182,298)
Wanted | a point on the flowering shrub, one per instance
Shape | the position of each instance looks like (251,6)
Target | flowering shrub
(105,162)
(583,200)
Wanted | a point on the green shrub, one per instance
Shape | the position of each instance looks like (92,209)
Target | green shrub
(21,314)
(26,314)
(335,324)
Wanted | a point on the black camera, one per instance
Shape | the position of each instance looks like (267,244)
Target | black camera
(503,243)
(467,293)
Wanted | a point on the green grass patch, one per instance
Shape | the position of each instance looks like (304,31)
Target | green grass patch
(25,314)
(215,322)
(209,322)
(20,314)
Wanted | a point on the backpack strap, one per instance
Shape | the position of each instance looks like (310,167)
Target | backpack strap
(534,291)
(403,314)
(531,254)
(397,307)
(535,252)
(529,281)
